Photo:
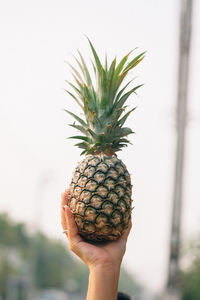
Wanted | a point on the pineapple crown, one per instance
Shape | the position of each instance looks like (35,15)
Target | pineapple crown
(103,106)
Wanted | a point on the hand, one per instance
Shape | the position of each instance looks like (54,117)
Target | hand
(94,255)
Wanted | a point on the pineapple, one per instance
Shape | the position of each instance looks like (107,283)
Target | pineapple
(100,190)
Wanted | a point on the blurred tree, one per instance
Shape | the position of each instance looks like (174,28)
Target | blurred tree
(13,240)
(6,269)
(45,261)
(54,264)
(190,278)
(12,234)
(128,285)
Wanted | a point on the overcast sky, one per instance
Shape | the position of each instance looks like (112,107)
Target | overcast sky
(37,161)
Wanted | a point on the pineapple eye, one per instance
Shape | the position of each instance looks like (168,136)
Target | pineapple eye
(117,231)
(89,227)
(109,183)
(99,177)
(101,221)
(126,218)
(85,196)
(82,181)
(113,197)
(75,177)
(120,169)
(90,214)
(116,217)
(106,229)
(102,191)
(122,206)
(82,167)
(72,204)
(129,190)
(96,201)
(77,191)
(79,221)
(120,190)
(127,199)
(93,162)
(110,162)
(89,171)
(128,177)
(80,208)
(122,181)
(102,167)
(107,208)
(91,185)
(71,190)
(112,173)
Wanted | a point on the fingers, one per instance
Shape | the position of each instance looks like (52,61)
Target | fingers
(72,234)
(64,201)
(67,220)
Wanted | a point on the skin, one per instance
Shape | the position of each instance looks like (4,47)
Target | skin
(103,260)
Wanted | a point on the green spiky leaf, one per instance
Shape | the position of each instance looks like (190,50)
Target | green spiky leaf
(75,98)
(80,137)
(104,104)
(82,145)
(123,119)
(76,118)
(80,128)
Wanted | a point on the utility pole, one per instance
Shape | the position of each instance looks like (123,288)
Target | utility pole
(172,291)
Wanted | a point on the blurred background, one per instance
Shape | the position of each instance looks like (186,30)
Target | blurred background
(37,161)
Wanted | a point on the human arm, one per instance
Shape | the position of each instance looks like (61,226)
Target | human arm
(103,260)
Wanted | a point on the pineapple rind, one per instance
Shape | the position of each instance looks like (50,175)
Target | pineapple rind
(101,199)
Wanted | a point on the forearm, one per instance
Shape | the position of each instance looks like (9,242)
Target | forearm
(103,283)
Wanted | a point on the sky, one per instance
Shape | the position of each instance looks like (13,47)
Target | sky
(37,160)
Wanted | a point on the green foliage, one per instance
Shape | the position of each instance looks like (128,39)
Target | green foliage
(127,285)
(12,234)
(6,269)
(102,105)
(190,279)
(13,240)
(51,263)
(44,261)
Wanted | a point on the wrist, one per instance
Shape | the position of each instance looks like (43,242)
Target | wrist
(103,282)
(105,267)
